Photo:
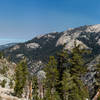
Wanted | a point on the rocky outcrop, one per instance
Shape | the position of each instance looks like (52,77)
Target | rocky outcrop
(6,94)
(46,45)
(38,50)
(7,71)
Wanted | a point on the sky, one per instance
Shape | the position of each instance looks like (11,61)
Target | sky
(21,20)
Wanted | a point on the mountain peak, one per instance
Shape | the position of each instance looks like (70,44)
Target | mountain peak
(43,46)
(93,28)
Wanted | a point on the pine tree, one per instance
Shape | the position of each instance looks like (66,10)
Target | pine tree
(67,84)
(97,76)
(20,78)
(73,88)
(63,77)
(76,61)
(97,84)
(3,83)
(1,54)
(51,80)
(62,60)
(52,73)
(78,69)
(51,95)
(73,62)
(35,94)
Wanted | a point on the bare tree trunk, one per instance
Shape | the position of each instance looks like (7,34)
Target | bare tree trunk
(30,91)
(27,94)
(41,89)
(27,97)
(97,95)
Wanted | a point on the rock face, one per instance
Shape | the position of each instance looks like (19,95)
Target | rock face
(89,78)
(7,71)
(38,50)
(41,47)
(5,94)
(33,45)
(15,48)
(93,28)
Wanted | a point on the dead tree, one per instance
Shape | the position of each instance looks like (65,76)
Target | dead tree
(97,95)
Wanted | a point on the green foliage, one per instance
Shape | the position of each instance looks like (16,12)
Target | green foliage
(76,61)
(51,73)
(4,70)
(63,76)
(51,83)
(20,78)
(62,80)
(51,95)
(62,60)
(11,84)
(98,98)
(51,77)
(71,67)
(73,88)
(35,88)
(98,76)
(51,80)
(0,98)
(1,55)
(3,83)
(52,62)
(67,84)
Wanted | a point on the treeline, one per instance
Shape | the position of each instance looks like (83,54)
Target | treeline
(61,78)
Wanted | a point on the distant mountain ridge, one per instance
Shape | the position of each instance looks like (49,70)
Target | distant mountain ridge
(38,50)
(41,47)
(7,45)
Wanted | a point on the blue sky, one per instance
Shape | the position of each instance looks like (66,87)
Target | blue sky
(21,20)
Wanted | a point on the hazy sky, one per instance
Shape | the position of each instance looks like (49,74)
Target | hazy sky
(21,20)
